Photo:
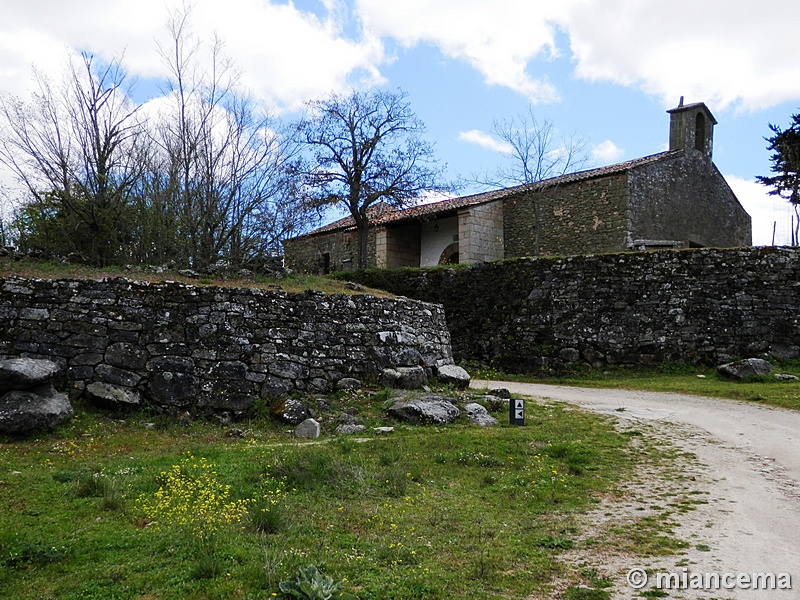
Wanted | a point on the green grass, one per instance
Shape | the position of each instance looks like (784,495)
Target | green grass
(676,378)
(294,283)
(439,512)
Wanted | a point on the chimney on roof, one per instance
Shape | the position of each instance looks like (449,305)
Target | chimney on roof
(691,127)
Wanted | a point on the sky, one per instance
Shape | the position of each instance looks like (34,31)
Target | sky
(603,70)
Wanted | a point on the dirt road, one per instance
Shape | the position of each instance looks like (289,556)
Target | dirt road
(748,460)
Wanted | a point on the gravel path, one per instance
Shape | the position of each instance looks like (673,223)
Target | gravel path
(748,462)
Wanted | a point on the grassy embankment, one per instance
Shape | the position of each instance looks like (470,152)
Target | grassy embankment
(294,283)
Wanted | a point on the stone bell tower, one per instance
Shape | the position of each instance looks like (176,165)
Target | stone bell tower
(691,127)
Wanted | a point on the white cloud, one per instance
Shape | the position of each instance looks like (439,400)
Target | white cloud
(499,39)
(286,55)
(766,211)
(484,140)
(722,52)
(606,152)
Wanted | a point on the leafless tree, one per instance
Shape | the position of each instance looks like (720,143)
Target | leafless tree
(365,149)
(221,160)
(535,151)
(76,150)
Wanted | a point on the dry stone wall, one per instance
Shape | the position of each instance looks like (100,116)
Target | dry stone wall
(209,348)
(699,306)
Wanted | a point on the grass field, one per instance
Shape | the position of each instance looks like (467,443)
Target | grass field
(141,507)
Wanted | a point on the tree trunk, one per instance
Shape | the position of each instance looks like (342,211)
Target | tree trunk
(363,243)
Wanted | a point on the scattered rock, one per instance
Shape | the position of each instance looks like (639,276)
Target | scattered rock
(479,415)
(235,432)
(501,393)
(292,411)
(308,429)
(786,377)
(742,369)
(349,429)
(26,373)
(224,418)
(383,430)
(453,375)
(348,383)
(409,378)
(106,395)
(496,402)
(425,410)
(346,419)
(185,419)
(189,273)
(24,411)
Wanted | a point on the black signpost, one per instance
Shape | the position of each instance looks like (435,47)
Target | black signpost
(516,411)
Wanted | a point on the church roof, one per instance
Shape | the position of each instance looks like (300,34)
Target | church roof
(383,214)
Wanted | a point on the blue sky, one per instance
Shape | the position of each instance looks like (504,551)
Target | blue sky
(606,70)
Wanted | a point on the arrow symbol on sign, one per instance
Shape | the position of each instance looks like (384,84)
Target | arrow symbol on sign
(518,404)
(518,414)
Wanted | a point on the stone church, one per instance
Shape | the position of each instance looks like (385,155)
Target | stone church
(674,199)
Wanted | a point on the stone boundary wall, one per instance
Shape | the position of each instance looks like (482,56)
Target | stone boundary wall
(699,306)
(212,348)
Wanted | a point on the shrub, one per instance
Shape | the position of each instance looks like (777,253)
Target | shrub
(310,584)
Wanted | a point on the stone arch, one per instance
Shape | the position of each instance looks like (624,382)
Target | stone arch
(449,255)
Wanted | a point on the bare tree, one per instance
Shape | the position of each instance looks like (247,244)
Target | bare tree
(365,149)
(222,159)
(535,151)
(77,151)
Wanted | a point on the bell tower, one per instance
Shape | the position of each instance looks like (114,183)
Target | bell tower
(691,127)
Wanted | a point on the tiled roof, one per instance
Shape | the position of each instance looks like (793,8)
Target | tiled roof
(382,213)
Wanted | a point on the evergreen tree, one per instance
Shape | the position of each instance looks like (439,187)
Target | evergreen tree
(785,146)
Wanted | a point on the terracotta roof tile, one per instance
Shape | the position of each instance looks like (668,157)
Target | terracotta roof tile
(383,213)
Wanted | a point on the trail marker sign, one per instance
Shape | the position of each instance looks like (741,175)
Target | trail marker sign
(516,411)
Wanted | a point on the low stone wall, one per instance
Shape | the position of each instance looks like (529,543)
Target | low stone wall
(212,348)
(699,306)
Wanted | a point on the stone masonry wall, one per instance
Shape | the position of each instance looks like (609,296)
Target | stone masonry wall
(576,218)
(698,306)
(686,199)
(211,348)
(480,231)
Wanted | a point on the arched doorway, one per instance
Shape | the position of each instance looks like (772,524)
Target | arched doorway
(449,255)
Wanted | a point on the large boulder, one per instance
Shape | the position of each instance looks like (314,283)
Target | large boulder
(24,411)
(26,373)
(743,369)
(425,410)
(453,375)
